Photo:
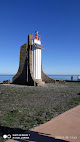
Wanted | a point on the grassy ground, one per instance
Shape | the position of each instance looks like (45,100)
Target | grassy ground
(24,107)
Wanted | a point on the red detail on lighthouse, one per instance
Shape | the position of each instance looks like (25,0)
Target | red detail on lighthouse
(36,35)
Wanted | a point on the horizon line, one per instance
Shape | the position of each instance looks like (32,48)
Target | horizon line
(47,74)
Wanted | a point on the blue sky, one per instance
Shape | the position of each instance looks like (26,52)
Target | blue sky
(58,23)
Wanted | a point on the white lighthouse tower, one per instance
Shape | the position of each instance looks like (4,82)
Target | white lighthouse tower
(36,55)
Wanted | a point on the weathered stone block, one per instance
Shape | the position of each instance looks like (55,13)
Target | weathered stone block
(6,82)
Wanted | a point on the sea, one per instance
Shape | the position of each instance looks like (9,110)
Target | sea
(56,77)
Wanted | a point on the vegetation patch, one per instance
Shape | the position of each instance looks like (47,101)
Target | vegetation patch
(24,107)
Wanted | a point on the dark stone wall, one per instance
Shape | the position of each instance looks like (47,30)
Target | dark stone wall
(31,80)
(21,76)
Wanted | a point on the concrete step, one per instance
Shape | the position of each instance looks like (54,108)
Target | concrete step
(39,82)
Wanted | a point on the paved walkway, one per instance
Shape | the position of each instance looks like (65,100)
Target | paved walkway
(63,128)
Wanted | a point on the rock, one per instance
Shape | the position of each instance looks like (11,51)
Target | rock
(62,81)
(6,82)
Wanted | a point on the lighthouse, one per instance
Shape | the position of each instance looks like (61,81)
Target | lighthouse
(30,70)
(36,55)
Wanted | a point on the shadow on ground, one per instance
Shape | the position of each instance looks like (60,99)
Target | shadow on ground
(34,136)
(8,130)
